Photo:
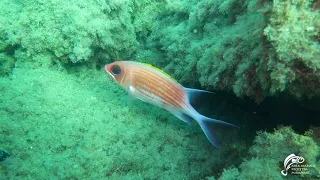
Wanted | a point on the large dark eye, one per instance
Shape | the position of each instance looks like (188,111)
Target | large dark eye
(116,70)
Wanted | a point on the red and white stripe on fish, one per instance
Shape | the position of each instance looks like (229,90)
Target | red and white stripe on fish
(154,86)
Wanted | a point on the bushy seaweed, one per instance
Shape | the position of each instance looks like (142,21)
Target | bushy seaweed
(254,48)
(76,31)
(268,153)
(77,124)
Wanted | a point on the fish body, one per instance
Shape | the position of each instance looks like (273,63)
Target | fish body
(154,86)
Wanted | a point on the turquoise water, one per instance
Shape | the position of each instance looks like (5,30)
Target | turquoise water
(62,117)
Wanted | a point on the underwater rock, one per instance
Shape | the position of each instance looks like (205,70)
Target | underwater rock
(252,48)
(3,45)
(76,34)
(266,157)
(6,64)
(3,155)
(293,32)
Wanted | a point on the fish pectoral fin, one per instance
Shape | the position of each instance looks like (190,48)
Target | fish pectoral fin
(131,94)
(134,95)
(183,117)
(131,99)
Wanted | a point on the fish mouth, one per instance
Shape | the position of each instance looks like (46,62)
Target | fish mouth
(109,73)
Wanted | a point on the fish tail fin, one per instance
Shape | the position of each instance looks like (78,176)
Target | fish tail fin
(207,125)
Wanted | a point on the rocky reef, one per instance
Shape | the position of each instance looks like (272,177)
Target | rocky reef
(253,48)
(266,156)
(261,57)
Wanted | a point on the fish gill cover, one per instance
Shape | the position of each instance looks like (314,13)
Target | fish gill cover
(61,117)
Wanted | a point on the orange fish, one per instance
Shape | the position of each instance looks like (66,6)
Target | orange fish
(154,86)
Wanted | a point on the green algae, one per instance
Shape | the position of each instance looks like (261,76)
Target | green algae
(78,124)
(62,118)
(266,156)
(6,64)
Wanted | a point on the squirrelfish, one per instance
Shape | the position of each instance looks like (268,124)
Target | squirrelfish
(154,86)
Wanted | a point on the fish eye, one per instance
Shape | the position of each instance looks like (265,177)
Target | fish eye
(116,70)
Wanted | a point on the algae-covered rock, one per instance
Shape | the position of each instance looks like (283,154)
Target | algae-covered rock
(218,44)
(3,155)
(293,31)
(6,64)
(266,157)
(253,48)
(3,45)
(78,30)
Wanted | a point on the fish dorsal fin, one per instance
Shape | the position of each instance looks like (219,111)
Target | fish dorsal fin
(161,71)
